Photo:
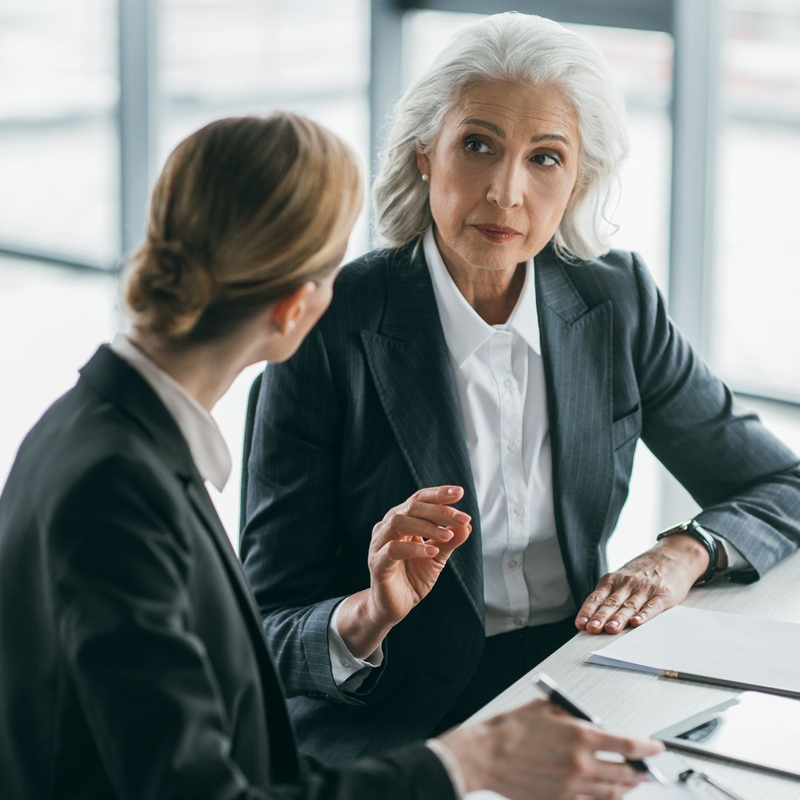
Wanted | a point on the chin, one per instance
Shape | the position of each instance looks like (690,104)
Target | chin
(495,258)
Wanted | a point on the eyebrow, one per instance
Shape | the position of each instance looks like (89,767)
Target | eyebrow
(502,134)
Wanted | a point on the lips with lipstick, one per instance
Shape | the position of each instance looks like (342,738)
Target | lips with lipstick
(497,233)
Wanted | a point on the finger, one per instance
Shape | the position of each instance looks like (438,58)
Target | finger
(440,514)
(603,589)
(611,772)
(611,605)
(457,537)
(401,526)
(596,777)
(652,608)
(438,494)
(629,748)
(620,618)
(405,551)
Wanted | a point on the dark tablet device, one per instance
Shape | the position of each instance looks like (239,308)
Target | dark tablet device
(759,730)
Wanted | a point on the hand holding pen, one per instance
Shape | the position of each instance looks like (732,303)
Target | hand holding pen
(559,697)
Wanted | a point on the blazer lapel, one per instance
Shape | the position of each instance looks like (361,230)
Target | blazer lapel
(204,508)
(411,369)
(284,763)
(577,349)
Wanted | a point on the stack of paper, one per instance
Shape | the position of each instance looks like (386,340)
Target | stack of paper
(713,647)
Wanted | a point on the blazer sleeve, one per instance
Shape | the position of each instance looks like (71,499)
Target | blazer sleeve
(744,478)
(120,561)
(290,543)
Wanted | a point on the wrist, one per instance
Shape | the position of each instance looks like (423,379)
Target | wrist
(699,546)
(361,624)
(689,549)
(470,746)
(379,614)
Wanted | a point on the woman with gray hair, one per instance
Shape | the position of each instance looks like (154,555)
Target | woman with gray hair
(498,346)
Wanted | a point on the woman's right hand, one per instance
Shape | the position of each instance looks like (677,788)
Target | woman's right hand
(539,752)
(408,551)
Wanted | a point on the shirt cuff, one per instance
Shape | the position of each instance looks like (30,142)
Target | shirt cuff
(451,766)
(344,665)
(736,561)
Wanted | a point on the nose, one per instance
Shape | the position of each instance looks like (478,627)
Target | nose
(507,188)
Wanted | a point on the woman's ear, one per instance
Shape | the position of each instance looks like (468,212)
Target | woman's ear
(287,310)
(423,162)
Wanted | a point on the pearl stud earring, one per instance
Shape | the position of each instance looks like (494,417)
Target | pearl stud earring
(425,177)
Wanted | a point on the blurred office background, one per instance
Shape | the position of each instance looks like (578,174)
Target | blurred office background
(95,93)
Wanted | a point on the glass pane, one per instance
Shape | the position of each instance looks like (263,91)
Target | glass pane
(229,57)
(58,141)
(756,335)
(57,317)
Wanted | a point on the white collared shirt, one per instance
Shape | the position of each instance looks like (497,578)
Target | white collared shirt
(205,440)
(500,383)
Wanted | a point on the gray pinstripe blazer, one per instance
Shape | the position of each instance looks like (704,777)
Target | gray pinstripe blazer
(366,413)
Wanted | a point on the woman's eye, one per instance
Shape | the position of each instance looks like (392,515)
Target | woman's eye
(476,146)
(545,160)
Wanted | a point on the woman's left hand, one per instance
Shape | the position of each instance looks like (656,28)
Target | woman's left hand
(644,587)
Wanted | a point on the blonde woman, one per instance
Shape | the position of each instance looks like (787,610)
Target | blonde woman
(132,661)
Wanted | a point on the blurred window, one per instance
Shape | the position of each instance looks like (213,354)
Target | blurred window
(59,186)
(756,287)
(228,57)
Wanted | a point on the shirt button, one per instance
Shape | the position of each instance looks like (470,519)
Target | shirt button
(519,622)
(513,563)
(344,662)
(508,384)
(518,509)
(512,446)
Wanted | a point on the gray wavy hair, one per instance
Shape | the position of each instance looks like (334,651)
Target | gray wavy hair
(521,48)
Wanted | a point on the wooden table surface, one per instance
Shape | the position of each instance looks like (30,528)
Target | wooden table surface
(637,704)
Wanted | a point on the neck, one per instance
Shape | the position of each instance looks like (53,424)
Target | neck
(206,371)
(492,293)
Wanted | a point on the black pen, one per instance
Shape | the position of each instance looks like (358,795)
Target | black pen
(559,697)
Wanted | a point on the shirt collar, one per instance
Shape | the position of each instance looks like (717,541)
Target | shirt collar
(204,438)
(464,330)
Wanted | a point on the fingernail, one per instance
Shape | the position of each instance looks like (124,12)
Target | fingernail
(470,528)
(612,624)
(431,551)
(461,517)
(636,618)
(452,490)
(445,534)
(595,623)
(583,620)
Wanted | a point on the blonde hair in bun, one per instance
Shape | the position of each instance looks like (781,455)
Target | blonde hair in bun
(245,210)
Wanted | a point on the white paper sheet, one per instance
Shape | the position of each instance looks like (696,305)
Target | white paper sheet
(733,648)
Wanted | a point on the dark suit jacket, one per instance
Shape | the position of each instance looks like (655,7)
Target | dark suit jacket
(367,412)
(132,661)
